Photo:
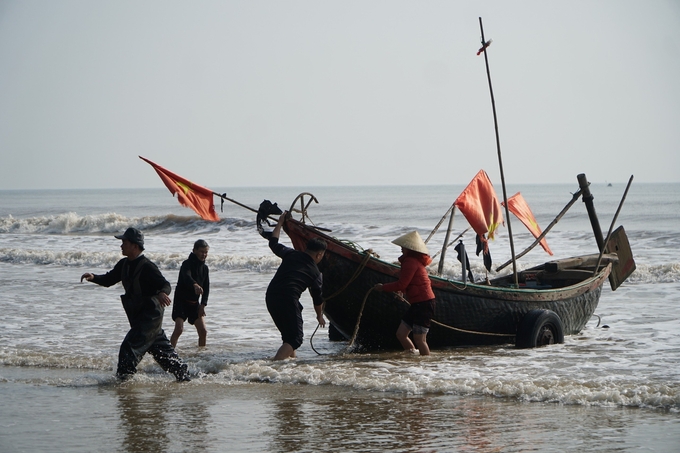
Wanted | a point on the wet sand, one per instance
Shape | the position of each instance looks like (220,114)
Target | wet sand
(91,412)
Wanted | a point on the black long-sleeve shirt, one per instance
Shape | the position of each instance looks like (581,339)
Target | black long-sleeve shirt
(151,280)
(192,271)
(297,272)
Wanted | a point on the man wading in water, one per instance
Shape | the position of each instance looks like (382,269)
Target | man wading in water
(297,272)
(146,295)
(193,281)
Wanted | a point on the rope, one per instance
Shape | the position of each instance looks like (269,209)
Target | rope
(473,332)
(598,320)
(312,344)
(463,330)
(362,265)
(356,326)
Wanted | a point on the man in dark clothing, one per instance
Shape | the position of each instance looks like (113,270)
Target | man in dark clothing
(193,281)
(146,295)
(297,272)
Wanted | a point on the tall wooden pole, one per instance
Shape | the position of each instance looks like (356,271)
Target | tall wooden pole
(590,207)
(498,147)
(446,243)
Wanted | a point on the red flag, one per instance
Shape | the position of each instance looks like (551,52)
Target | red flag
(190,195)
(479,205)
(518,206)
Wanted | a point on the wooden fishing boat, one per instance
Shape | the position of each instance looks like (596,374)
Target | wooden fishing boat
(530,308)
(551,300)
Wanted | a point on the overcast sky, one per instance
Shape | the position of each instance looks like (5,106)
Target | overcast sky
(308,93)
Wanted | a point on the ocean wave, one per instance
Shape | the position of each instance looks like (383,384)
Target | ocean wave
(99,260)
(71,223)
(644,273)
(657,273)
(416,379)
(45,258)
(408,375)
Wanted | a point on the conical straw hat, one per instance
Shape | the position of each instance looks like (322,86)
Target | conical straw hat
(412,241)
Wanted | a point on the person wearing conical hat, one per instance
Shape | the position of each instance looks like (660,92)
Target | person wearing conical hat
(414,282)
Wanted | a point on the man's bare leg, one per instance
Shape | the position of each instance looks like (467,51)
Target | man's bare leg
(179,328)
(201,330)
(285,351)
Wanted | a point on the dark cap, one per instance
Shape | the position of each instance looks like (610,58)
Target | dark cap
(133,235)
(200,244)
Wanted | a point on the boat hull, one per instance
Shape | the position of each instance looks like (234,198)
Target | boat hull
(465,314)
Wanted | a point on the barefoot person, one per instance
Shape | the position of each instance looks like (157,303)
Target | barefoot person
(297,272)
(414,282)
(144,301)
(193,281)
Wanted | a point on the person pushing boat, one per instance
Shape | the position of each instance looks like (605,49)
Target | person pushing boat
(414,282)
(297,272)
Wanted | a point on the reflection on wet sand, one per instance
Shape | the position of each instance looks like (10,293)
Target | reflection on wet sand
(161,418)
(356,422)
(210,414)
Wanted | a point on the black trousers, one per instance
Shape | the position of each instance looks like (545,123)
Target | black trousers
(147,335)
(287,315)
(138,342)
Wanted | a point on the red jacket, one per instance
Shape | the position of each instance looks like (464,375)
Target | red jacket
(413,279)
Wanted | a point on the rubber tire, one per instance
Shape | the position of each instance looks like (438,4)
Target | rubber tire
(539,328)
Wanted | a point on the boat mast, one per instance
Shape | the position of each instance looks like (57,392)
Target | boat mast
(485,44)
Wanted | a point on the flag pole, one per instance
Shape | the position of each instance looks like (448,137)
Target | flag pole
(486,44)
(223,196)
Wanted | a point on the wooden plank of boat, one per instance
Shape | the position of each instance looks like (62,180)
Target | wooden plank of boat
(618,243)
(587,261)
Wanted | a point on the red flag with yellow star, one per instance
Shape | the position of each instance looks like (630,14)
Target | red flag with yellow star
(479,205)
(190,195)
(518,206)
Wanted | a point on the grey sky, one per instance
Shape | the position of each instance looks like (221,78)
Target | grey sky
(267,93)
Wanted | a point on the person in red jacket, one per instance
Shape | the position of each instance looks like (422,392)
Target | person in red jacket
(414,282)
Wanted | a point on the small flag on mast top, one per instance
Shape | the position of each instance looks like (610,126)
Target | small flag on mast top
(518,206)
(190,195)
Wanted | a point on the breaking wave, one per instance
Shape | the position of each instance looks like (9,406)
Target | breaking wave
(71,223)
(662,273)
(263,263)
(383,373)
(656,267)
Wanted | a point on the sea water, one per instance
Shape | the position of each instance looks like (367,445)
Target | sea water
(613,387)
